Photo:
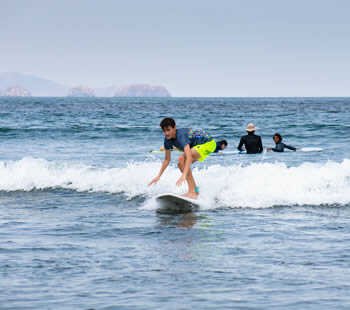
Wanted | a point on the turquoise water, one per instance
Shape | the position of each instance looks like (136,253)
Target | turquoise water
(78,227)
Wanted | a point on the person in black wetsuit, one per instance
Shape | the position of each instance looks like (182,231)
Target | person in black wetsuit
(251,141)
(220,146)
(280,146)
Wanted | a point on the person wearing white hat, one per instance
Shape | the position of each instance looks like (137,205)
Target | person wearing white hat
(251,142)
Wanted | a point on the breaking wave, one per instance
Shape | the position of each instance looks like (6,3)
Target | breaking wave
(257,185)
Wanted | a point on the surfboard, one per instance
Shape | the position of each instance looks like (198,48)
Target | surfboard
(173,203)
(311,149)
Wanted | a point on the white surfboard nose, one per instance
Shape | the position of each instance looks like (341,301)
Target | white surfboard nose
(172,203)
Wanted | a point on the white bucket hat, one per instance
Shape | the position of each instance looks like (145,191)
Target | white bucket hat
(250,127)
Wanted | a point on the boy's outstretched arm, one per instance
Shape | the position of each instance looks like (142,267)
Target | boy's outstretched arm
(165,164)
(292,148)
(188,162)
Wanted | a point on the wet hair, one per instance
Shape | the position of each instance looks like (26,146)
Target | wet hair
(278,136)
(167,122)
(223,142)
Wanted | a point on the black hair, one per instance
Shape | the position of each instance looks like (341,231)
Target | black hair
(167,122)
(219,144)
(278,136)
(223,142)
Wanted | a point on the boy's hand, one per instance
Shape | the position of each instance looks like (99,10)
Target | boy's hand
(154,181)
(180,180)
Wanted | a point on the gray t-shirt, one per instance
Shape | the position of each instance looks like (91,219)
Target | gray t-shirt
(186,136)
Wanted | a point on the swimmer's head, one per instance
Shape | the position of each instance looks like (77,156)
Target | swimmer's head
(277,137)
(222,144)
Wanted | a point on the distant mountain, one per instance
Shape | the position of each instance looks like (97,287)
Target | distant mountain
(106,91)
(81,91)
(133,90)
(142,90)
(35,85)
(17,91)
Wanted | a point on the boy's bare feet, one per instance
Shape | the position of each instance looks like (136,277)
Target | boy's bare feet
(191,195)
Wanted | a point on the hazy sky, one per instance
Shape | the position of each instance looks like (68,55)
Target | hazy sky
(194,48)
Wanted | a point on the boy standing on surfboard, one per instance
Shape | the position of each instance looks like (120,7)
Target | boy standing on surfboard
(196,145)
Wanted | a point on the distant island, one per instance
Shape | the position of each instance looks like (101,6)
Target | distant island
(81,91)
(16,91)
(17,84)
(33,84)
(142,90)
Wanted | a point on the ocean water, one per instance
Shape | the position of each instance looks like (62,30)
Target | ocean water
(78,227)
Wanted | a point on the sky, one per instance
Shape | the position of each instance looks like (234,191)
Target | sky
(194,48)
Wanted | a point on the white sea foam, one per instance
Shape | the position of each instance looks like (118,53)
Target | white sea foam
(257,185)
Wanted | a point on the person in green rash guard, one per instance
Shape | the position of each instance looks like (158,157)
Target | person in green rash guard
(196,145)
